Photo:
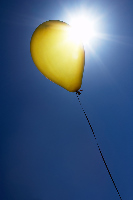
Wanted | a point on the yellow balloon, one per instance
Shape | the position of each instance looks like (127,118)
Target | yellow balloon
(57,55)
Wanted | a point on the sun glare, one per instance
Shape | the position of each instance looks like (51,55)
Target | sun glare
(87,26)
(83,28)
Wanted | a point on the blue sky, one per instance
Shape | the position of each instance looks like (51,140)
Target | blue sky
(47,150)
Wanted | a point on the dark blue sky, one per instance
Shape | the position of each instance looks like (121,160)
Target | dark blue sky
(47,150)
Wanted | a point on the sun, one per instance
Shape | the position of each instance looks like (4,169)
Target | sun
(84,27)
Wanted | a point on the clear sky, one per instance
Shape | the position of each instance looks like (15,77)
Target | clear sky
(47,150)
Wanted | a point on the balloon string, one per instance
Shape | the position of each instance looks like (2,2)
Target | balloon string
(99,148)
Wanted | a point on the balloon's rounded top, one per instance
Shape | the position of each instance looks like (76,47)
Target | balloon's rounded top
(57,55)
